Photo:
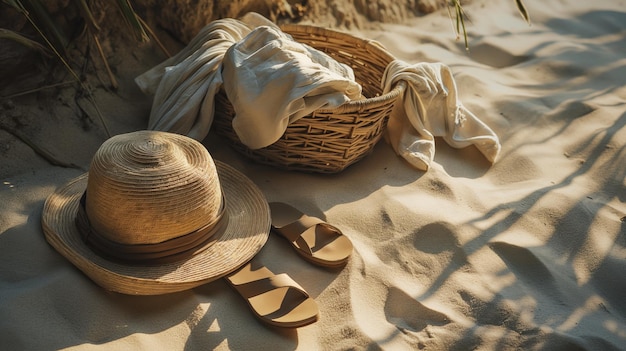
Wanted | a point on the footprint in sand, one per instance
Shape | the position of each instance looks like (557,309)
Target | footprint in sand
(492,55)
(435,255)
(430,254)
(439,239)
(408,314)
(440,188)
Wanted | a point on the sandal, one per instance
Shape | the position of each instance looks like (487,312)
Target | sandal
(315,240)
(275,299)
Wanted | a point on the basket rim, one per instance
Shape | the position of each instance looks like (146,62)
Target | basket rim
(369,45)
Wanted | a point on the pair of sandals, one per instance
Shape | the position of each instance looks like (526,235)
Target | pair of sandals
(277,299)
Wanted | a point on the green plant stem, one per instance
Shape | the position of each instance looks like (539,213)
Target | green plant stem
(88,15)
(522,10)
(112,79)
(30,91)
(153,36)
(132,19)
(67,66)
(22,40)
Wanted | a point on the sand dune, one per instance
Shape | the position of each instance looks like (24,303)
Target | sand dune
(525,254)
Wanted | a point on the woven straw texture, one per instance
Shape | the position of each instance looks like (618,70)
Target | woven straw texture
(246,232)
(150,187)
(327,141)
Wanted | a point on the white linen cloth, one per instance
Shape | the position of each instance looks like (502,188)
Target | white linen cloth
(185,84)
(430,108)
(270,79)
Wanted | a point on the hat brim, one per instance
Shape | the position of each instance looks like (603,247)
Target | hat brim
(246,233)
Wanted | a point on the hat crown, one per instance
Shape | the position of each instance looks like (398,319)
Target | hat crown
(148,187)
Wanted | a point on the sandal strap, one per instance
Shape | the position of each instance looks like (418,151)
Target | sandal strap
(294,230)
(258,287)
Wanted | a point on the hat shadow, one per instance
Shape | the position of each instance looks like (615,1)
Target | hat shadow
(78,311)
(44,291)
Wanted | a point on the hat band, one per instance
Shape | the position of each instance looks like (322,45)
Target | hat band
(172,250)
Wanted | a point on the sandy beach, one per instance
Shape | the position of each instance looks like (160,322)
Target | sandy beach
(526,254)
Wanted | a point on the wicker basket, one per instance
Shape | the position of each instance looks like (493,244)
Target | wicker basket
(327,141)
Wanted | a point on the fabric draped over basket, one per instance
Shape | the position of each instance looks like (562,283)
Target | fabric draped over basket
(272,80)
(184,85)
(431,108)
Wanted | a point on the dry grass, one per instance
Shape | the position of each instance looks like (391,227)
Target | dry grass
(460,17)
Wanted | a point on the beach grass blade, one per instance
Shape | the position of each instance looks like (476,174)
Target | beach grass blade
(24,41)
(522,10)
(132,19)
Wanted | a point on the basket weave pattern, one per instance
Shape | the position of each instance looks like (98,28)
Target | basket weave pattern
(327,141)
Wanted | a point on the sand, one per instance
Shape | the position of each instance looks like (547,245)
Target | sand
(525,254)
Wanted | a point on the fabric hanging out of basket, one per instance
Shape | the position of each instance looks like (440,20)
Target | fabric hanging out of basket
(272,80)
(431,108)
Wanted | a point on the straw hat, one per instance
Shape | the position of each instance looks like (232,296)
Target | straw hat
(155,214)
